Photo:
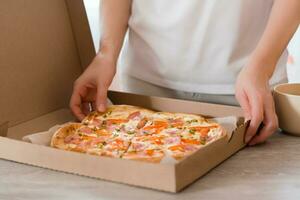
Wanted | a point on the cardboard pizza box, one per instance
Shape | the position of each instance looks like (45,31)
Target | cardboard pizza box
(45,45)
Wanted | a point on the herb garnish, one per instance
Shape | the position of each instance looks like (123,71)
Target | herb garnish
(130,132)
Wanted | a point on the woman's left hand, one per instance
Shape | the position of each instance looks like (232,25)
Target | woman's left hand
(255,97)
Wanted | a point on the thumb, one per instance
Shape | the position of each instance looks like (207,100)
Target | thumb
(101,98)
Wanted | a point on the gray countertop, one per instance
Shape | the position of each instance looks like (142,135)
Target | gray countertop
(268,171)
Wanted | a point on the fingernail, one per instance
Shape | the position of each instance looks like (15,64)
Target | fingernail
(101,108)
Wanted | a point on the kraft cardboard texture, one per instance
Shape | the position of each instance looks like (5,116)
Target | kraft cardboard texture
(40,123)
(39,58)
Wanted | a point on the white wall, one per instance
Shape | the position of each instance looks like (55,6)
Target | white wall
(92,7)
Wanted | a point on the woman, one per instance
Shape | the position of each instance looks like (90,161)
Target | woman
(197,49)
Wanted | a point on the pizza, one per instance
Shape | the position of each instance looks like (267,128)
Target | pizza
(135,133)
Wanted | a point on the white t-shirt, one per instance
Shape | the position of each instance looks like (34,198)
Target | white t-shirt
(195,45)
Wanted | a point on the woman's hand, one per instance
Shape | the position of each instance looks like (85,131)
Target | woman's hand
(255,97)
(91,87)
(252,88)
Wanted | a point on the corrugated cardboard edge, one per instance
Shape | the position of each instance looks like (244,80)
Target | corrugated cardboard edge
(81,31)
(111,169)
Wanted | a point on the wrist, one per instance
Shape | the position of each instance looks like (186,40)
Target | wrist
(262,67)
(106,58)
(109,52)
(104,61)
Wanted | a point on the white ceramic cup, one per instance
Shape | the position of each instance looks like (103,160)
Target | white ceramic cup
(287,102)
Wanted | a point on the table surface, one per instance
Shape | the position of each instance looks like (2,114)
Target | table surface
(268,171)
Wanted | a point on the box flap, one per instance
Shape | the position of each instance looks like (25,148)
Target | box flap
(39,124)
(167,104)
(39,58)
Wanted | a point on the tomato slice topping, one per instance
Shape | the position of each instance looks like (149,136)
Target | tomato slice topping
(116,121)
(118,144)
(157,126)
(178,147)
(150,152)
(203,130)
(102,132)
(190,141)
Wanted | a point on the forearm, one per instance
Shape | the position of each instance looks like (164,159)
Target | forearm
(114,24)
(282,24)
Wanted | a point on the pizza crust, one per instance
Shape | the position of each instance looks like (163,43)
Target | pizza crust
(58,138)
(117,111)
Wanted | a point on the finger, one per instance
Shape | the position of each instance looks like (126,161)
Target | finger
(75,103)
(270,122)
(101,98)
(256,105)
(244,103)
(86,108)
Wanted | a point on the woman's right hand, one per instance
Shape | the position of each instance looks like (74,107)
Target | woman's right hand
(91,87)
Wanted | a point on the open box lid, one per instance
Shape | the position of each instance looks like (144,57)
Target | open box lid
(46,41)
